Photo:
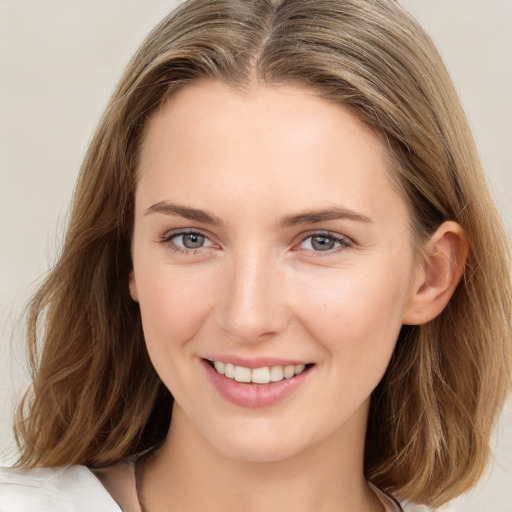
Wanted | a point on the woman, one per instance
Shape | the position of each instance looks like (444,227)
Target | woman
(282,236)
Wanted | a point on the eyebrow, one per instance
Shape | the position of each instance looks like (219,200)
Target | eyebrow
(308,217)
(315,216)
(184,211)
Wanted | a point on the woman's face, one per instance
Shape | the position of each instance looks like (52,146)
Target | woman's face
(270,240)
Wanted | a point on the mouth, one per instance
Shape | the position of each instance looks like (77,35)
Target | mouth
(255,385)
(262,375)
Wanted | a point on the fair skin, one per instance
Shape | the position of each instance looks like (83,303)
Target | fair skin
(269,234)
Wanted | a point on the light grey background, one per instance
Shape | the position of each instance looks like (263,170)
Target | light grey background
(59,61)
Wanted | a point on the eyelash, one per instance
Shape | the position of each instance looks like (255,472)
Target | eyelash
(167,240)
(345,243)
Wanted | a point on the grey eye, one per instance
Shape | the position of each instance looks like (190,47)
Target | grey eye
(322,243)
(190,240)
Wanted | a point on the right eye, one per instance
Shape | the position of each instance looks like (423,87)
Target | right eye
(187,241)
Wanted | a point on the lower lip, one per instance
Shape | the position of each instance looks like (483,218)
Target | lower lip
(253,395)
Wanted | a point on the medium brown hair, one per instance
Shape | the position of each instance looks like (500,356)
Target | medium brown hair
(96,397)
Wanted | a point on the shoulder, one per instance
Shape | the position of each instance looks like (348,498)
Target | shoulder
(411,507)
(63,489)
(395,504)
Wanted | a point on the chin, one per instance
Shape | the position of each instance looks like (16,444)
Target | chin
(258,447)
(257,454)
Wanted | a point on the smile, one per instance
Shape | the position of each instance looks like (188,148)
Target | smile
(262,375)
(259,386)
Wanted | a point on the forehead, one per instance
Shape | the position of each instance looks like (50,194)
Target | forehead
(207,103)
(210,138)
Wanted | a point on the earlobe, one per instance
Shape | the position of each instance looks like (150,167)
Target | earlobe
(439,274)
(133,287)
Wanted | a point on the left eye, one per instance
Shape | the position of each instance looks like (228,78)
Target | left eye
(323,243)
(190,240)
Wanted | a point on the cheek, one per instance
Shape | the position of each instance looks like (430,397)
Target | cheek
(175,303)
(357,314)
(173,308)
(172,305)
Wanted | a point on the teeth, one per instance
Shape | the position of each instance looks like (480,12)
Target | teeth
(229,370)
(276,373)
(220,367)
(262,375)
(242,374)
(288,372)
(299,368)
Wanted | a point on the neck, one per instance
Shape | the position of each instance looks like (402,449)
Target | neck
(187,474)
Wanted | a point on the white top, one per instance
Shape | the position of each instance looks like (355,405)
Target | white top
(66,489)
(77,489)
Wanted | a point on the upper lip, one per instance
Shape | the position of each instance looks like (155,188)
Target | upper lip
(256,362)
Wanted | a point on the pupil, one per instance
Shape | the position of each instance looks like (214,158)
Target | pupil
(322,243)
(193,240)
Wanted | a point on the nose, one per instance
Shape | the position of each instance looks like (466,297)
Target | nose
(253,305)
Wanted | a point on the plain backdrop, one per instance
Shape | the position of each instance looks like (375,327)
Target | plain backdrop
(59,61)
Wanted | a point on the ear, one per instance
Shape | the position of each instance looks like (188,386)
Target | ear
(438,275)
(133,287)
